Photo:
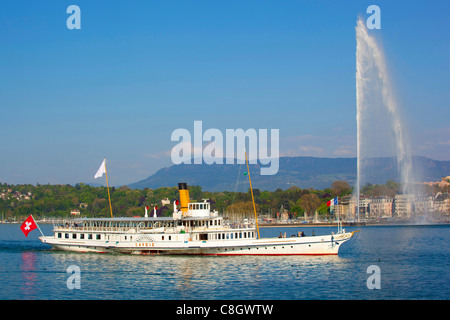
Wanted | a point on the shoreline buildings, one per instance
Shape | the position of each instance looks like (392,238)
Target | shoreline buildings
(401,206)
(436,203)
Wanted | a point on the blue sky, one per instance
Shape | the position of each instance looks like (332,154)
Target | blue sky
(138,70)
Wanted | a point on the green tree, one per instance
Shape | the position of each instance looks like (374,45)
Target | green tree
(340,188)
(310,202)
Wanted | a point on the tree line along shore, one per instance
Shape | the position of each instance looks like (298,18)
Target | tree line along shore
(59,201)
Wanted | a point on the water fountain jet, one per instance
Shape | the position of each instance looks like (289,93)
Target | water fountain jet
(380,128)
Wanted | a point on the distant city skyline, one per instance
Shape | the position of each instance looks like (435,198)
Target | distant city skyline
(135,72)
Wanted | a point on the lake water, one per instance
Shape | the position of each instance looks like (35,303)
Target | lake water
(414,263)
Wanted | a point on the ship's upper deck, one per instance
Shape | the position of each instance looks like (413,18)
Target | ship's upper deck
(197,216)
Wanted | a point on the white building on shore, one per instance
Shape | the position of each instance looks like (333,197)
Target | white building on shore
(402,206)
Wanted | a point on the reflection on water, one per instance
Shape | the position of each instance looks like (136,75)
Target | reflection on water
(193,277)
(28,272)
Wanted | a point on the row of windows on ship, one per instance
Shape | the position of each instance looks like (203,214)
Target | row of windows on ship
(147,224)
(200,236)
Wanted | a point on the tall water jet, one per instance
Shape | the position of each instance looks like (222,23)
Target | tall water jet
(380,131)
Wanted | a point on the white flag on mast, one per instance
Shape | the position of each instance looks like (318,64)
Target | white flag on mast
(101,170)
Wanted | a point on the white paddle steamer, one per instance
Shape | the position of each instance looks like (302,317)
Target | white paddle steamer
(194,229)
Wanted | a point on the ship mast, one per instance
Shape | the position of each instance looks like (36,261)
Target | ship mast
(251,190)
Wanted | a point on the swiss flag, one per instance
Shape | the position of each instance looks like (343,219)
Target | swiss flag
(28,225)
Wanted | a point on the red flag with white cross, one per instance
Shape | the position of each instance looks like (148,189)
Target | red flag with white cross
(28,225)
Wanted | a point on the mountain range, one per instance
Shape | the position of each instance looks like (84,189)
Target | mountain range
(303,172)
